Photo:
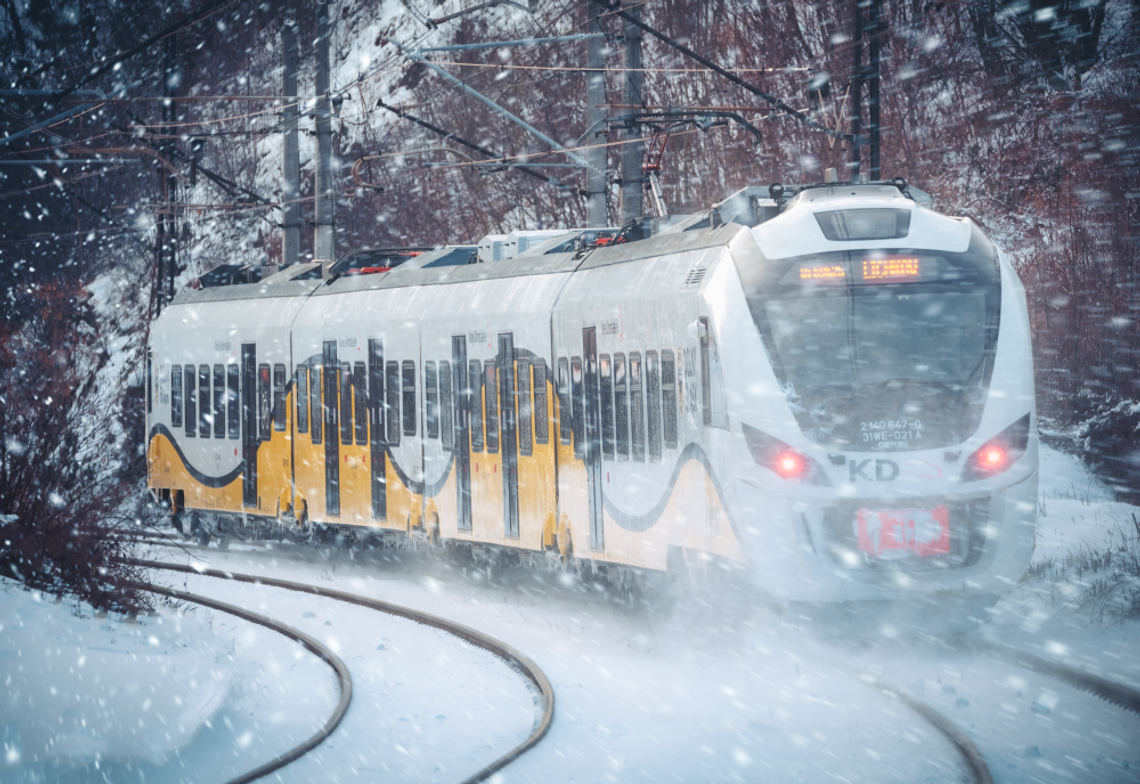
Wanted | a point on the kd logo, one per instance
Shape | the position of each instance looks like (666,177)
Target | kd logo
(885,470)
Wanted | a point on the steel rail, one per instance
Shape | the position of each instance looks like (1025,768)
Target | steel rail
(975,763)
(1116,693)
(344,678)
(480,640)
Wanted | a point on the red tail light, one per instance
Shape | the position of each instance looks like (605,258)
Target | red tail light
(789,465)
(782,460)
(999,453)
(993,457)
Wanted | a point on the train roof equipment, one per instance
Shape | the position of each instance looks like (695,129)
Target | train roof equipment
(750,206)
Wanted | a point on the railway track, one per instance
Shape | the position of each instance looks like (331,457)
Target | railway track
(515,659)
(1116,693)
(975,764)
(971,758)
(344,678)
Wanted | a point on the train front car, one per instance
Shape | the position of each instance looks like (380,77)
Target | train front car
(886,404)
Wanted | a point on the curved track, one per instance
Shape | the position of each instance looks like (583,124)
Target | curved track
(514,658)
(974,763)
(320,649)
(1118,694)
(972,759)
(978,770)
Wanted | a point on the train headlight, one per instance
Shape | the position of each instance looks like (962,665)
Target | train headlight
(999,453)
(782,460)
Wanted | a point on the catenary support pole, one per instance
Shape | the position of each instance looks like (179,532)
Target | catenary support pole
(596,213)
(856,91)
(632,155)
(291,165)
(877,27)
(166,235)
(324,238)
(172,78)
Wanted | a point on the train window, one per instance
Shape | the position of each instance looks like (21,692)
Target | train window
(219,401)
(431,401)
(316,422)
(653,407)
(636,408)
(376,389)
(578,402)
(491,395)
(409,398)
(526,443)
(541,412)
(475,379)
(232,400)
(360,402)
(279,400)
(621,409)
(344,380)
(605,371)
(302,399)
(706,373)
(392,401)
(565,418)
(264,403)
(445,403)
(669,399)
(176,396)
(191,401)
(205,415)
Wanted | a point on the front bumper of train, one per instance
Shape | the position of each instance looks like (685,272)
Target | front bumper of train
(805,545)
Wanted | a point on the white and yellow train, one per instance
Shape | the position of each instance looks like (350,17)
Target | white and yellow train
(831,385)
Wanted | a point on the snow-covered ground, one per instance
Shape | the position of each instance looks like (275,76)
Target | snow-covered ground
(708,687)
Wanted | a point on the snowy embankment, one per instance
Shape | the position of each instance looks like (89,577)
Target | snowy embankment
(79,688)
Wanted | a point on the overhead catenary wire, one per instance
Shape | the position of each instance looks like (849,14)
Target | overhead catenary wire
(615,69)
(177,27)
(250,207)
(449,135)
(378,70)
(777,102)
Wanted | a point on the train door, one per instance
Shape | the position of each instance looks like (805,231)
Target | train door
(462,442)
(250,435)
(331,399)
(377,442)
(593,428)
(508,439)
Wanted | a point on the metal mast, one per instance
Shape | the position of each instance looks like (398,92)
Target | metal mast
(632,153)
(291,166)
(166,240)
(596,213)
(324,238)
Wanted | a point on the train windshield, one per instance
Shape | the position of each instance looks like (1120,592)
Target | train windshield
(881,349)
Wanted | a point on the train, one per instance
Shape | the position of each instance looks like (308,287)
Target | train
(827,386)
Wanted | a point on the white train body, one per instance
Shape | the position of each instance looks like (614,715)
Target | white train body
(850,418)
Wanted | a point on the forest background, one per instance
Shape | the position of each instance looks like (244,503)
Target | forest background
(1021,115)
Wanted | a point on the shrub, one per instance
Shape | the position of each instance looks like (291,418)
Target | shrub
(1110,442)
(1103,581)
(61,490)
